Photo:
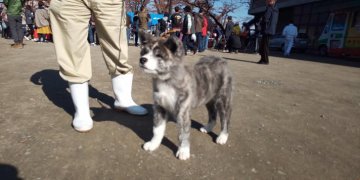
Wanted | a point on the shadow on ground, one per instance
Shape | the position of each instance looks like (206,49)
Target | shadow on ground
(232,59)
(343,61)
(9,172)
(56,90)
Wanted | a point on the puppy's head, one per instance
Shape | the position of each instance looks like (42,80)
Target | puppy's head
(159,56)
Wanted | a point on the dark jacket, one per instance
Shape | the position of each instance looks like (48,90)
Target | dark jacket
(269,20)
(187,24)
(234,42)
(198,22)
(29,16)
(228,29)
(176,20)
(135,25)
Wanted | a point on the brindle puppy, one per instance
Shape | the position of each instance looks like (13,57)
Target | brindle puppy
(178,89)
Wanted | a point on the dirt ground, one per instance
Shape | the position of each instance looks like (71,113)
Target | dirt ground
(297,118)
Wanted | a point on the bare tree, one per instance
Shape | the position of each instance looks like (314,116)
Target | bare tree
(134,5)
(219,13)
(165,6)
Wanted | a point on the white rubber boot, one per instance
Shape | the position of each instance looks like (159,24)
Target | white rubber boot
(122,85)
(80,95)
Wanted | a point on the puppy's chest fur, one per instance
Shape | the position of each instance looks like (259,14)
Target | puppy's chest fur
(167,95)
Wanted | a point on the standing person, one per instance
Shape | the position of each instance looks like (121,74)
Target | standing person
(187,30)
(128,28)
(69,22)
(290,32)
(176,22)
(234,42)
(14,9)
(268,27)
(244,36)
(144,19)
(228,28)
(218,37)
(29,15)
(204,32)
(135,27)
(198,29)
(161,27)
(42,22)
(5,24)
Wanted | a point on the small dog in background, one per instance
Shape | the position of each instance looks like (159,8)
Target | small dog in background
(178,88)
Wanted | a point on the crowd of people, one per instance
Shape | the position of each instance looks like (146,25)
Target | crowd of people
(193,28)
(20,21)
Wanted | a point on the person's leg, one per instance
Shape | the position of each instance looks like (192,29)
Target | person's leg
(128,35)
(110,17)
(206,42)
(40,37)
(286,46)
(12,28)
(2,29)
(31,31)
(19,30)
(69,23)
(185,42)
(202,43)
(266,49)
(198,41)
(136,38)
(290,45)
(262,49)
(90,35)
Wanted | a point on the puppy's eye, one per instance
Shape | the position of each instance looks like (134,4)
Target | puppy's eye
(158,55)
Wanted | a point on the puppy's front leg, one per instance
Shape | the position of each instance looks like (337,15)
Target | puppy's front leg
(184,124)
(158,130)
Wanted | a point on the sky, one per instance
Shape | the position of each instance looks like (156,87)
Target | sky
(239,15)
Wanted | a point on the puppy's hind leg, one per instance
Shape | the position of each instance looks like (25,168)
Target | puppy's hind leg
(158,129)
(225,114)
(212,117)
(224,109)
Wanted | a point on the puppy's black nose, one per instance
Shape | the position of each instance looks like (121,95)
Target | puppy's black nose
(143,60)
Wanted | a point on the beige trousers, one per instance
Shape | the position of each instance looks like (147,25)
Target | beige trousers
(69,23)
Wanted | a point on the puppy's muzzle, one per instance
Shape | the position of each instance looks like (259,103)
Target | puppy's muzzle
(143,60)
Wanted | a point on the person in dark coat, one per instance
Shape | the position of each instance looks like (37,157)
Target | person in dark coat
(228,28)
(29,15)
(234,42)
(268,27)
(187,30)
(135,27)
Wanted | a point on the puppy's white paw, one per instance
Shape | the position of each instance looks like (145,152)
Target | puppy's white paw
(203,129)
(222,138)
(150,146)
(183,153)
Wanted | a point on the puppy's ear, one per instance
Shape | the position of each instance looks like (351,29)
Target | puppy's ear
(146,38)
(174,45)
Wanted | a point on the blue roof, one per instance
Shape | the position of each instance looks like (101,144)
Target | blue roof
(154,18)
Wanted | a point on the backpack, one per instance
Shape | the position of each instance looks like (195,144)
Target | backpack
(176,20)
(162,25)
